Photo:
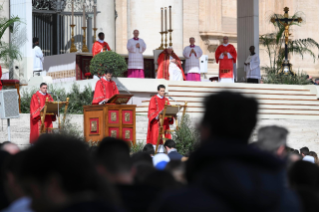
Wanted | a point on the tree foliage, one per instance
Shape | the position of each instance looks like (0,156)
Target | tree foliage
(186,136)
(109,61)
(9,51)
(77,98)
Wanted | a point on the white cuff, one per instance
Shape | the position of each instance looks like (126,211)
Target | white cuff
(102,102)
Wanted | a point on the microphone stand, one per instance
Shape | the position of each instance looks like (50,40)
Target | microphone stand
(58,108)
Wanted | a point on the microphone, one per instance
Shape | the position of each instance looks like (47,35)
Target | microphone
(172,98)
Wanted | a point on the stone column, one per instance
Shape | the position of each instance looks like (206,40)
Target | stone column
(106,21)
(23,9)
(145,15)
(247,32)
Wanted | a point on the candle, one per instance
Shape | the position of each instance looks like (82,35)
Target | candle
(84,14)
(162,19)
(94,15)
(165,19)
(72,12)
(170,17)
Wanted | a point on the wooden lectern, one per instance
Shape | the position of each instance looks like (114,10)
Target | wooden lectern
(53,108)
(169,111)
(114,119)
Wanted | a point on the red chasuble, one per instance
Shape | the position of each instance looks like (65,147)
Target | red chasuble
(163,65)
(97,47)
(37,103)
(0,77)
(104,90)
(226,69)
(155,107)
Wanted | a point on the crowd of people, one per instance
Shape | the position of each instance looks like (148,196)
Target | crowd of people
(224,173)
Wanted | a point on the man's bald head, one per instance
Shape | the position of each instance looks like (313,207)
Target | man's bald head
(10,148)
(192,40)
(136,33)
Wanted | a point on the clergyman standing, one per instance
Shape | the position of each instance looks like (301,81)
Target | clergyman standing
(252,67)
(37,57)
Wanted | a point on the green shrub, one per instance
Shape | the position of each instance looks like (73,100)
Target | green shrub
(26,100)
(272,77)
(70,129)
(137,147)
(77,99)
(186,136)
(110,61)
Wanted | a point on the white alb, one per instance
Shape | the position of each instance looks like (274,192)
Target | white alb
(253,69)
(135,56)
(37,59)
(192,61)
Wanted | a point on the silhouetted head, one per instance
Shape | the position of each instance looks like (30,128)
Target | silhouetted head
(229,115)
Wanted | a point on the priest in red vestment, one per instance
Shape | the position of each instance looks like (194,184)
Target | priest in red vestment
(170,66)
(226,55)
(156,105)
(105,88)
(100,45)
(37,103)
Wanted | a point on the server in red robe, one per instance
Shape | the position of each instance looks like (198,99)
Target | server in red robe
(0,77)
(37,103)
(105,88)
(226,56)
(156,105)
(100,45)
(170,66)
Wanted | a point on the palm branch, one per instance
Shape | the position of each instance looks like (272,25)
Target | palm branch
(7,23)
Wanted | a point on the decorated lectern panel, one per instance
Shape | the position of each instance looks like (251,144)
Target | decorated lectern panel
(114,132)
(113,117)
(94,126)
(127,117)
(127,134)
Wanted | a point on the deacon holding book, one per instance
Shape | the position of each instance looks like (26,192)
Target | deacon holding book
(105,88)
(226,56)
(192,54)
(100,45)
(135,46)
(156,106)
(37,103)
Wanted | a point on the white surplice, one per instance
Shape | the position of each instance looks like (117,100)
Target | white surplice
(175,73)
(37,59)
(135,56)
(253,69)
(192,60)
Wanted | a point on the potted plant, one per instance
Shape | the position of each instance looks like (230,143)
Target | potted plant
(108,61)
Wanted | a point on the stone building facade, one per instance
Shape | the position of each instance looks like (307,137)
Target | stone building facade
(208,21)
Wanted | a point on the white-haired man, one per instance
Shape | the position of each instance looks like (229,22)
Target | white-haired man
(192,54)
(226,56)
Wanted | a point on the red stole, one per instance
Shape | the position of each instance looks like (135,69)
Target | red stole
(36,105)
(163,65)
(97,47)
(155,107)
(104,90)
(226,68)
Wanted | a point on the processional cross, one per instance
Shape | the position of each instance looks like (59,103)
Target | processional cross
(286,22)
